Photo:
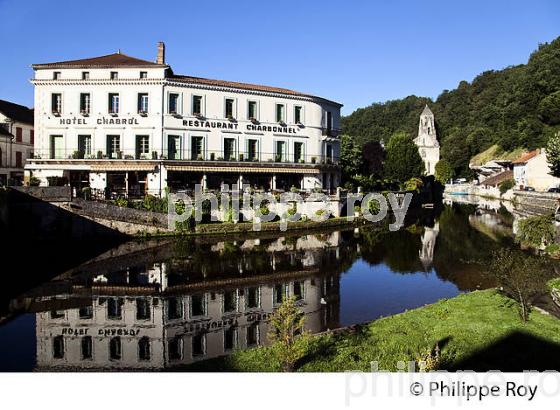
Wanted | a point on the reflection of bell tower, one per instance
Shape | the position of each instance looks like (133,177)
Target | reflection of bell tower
(428,245)
(428,145)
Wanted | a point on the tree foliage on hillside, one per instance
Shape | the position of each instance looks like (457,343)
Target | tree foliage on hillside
(518,106)
(403,160)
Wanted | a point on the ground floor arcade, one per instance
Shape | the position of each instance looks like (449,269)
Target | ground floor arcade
(138,178)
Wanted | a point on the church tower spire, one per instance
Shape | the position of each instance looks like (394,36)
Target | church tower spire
(428,145)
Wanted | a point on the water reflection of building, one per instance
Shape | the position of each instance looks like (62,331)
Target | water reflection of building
(152,319)
(429,237)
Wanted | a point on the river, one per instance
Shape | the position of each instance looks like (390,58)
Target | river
(165,304)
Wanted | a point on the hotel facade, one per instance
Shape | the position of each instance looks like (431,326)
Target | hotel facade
(132,127)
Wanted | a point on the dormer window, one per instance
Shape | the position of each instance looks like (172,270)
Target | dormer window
(56,75)
(85,75)
(143,74)
(114,75)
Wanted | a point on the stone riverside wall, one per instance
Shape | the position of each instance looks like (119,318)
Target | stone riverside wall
(536,203)
(127,221)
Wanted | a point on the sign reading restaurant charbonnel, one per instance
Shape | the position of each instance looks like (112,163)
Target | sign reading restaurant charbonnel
(226,125)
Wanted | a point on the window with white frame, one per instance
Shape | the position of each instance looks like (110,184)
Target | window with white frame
(175,308)
(229,149)
(144,349)
(85,103)
(58,347)
(230,301)
(84,146)
(198,305)
(230,338)
(298,114)
(280,113)
(196,105)
(197,148)
(56,103)
(143,103)
(229,107)
(114,103)
(253,298)
(252,150)
(114,75)
(174,147)
(142,146)
(199,345)
(173,104)
(252,110)
(299,152)
(253,335)
(175,348)
(280,151)
(113,146)
(86,347)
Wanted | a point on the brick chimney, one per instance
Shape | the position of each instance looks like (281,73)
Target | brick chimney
(160,53)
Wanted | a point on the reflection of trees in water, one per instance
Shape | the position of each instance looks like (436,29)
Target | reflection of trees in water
(460,249)
(398,250)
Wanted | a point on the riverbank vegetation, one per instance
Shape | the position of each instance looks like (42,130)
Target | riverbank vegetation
(479,331)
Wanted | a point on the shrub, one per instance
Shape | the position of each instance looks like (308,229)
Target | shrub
(506,186)
(34,181)
(287,335)
(122,202)
(413,184)
(536,231)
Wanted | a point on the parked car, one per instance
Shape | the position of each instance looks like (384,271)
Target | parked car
(555,190)
(529,188)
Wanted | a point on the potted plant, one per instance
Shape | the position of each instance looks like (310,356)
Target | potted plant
(241,157)
(119,155)
(154,155)
(212,156)
(199,157)
(253,120)
(231,118)
(99,154)
(313,160)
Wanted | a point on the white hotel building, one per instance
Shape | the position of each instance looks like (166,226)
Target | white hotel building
(130,126)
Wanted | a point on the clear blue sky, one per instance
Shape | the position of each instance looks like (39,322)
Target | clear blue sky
(354,52)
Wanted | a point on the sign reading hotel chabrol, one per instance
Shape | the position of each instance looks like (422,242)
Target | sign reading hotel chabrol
(226,125)
(100,121)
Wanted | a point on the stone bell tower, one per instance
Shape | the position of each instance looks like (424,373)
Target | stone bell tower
(428,145)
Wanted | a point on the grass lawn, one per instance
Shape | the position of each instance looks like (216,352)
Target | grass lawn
(476,331)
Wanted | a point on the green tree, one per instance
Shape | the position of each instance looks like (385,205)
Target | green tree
(287,335)
(444,172)
(403,160)
(351,159)
(521,277)
(553,154)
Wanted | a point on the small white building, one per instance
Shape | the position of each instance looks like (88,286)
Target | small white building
(133,126)
(533,170)
(16,141)
(428,145)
